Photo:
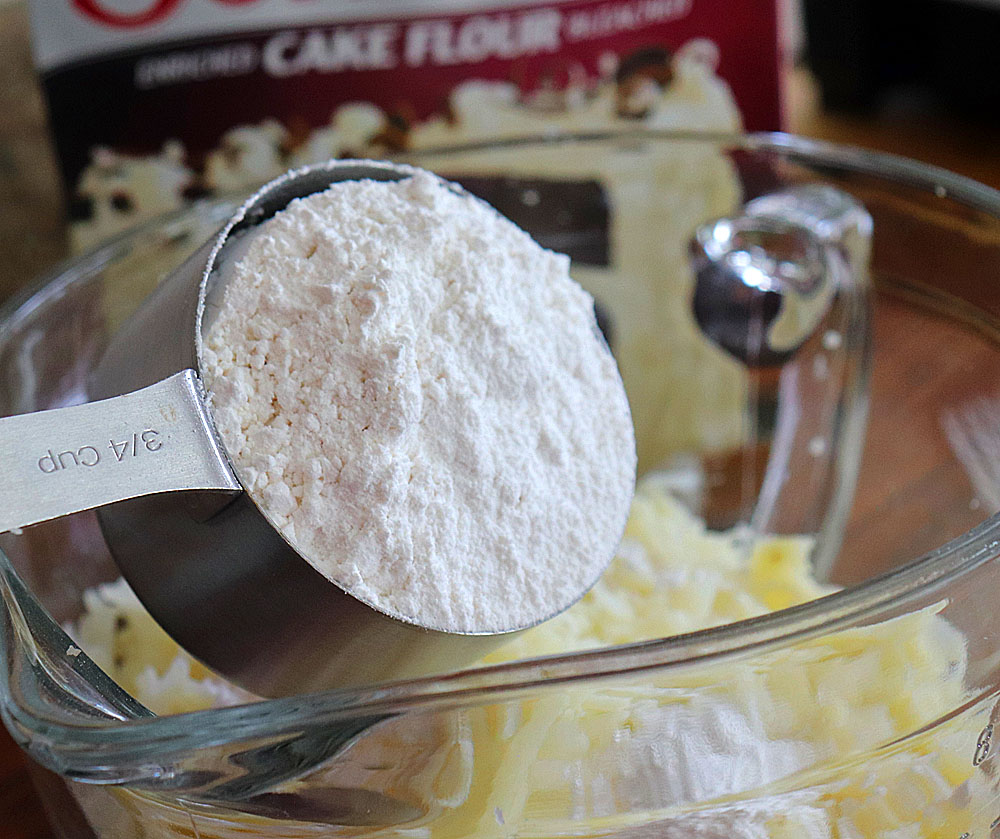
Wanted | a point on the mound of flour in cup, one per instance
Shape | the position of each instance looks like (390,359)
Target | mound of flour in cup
(417,395)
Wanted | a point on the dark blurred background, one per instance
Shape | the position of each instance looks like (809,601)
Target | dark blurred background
(865,52)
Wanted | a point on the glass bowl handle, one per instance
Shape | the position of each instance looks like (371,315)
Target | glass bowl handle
(784,288)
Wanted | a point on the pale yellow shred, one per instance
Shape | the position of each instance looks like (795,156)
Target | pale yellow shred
(821,739)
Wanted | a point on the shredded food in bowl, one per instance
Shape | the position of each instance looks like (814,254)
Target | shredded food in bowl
(605,755)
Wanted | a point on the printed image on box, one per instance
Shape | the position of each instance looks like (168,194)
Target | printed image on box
(154,103)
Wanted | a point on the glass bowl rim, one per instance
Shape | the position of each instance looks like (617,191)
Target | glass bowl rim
(919,579)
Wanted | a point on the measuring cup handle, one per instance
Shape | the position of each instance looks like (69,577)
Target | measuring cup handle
(62,461)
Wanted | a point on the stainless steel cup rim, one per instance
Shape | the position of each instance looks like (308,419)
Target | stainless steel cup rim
(247,217)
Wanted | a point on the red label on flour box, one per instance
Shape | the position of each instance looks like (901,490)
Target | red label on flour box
(154,102)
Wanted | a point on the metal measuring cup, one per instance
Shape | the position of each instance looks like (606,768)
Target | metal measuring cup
(199,552)
(765,279)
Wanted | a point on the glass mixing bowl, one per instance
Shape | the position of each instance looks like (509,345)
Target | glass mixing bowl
(875,449)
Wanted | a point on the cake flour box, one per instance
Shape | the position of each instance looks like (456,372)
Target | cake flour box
(156,102)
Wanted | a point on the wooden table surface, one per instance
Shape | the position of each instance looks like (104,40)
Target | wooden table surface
(32,237)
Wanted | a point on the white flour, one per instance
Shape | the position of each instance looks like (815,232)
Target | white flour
(416,394)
